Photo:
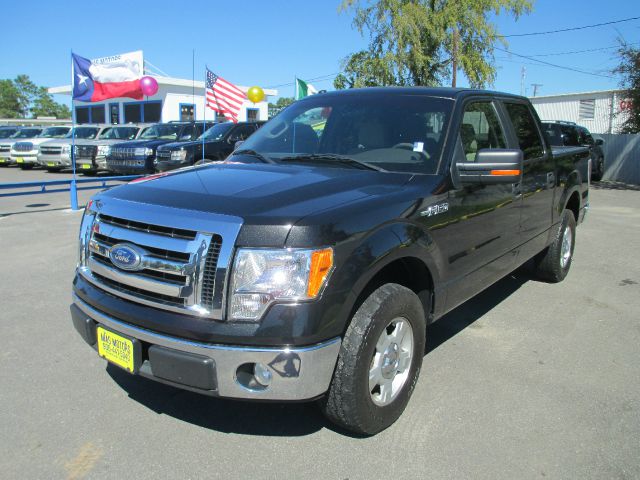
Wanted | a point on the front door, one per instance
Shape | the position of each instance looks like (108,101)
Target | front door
(485,218)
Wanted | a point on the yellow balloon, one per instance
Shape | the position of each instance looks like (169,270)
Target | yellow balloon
(255,94)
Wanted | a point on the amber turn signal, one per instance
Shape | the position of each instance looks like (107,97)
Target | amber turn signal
(321,263)
(505,172)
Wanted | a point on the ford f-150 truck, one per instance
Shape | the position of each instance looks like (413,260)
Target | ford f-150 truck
(309,263)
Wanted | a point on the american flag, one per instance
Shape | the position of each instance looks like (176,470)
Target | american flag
(223,97)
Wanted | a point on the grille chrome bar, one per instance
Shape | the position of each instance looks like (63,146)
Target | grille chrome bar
(136,281)
(144,238)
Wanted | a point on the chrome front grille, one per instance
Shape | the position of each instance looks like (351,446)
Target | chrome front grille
(177,270)
(23,146)
(86,151)
(4,148)
(47,150)
(121,153)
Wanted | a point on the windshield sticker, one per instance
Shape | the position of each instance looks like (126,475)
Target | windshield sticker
(418,146)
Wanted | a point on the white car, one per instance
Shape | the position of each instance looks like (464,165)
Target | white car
(25,153)
(23,133)
(50,153)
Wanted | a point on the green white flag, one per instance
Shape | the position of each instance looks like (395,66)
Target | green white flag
(304,89)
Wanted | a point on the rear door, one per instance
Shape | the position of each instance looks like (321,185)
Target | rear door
(539,172)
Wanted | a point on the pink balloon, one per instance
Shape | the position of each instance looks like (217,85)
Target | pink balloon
(149,86)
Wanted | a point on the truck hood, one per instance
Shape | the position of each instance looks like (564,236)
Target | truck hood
(37,140)
(262,195)
(189,144)
(58,142)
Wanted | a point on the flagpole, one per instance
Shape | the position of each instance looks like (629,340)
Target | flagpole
(204,110)
(73,190)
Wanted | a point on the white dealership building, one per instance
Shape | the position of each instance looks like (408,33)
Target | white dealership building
(176,99)
(601,111)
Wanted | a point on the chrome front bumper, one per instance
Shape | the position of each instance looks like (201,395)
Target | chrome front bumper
(298,373)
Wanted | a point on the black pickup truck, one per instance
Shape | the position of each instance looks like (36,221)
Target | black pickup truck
(213,145)
(138,156)
(309,263)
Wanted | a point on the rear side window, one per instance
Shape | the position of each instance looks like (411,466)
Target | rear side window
(525,127)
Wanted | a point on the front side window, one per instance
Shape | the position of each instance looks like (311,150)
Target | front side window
(526,130)
(88,133)
(480,129)
(217,132)
(570,136)
(395,132)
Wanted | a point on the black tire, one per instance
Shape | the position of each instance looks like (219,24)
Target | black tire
(598,171)
(349,403)
(549,265)
(26,166)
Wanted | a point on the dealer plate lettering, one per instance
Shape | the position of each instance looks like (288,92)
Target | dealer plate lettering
(115,349)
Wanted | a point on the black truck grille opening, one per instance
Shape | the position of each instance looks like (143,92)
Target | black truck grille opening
(45,150)
(23,146)
(149,228)
(158,252)
(210,268)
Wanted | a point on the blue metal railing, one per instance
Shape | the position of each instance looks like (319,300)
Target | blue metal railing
(44,186)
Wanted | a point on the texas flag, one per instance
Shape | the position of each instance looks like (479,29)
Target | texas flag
(108,77)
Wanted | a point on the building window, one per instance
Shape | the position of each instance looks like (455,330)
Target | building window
(253,114)
(136,112)
(114,113)
(94,114)
(187,112)
(587,109)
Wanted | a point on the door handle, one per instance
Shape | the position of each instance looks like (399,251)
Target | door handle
(551,180)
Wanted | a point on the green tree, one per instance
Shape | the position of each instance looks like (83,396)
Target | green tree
(425,42)
(21,98)
(629,70)
(9,100)
(282,102)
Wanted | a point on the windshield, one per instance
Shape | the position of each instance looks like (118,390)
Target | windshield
(27,133)
(54,132)
(119,133)
(7,132)
(396,132)
(216,132)
(88,133)
(164,131)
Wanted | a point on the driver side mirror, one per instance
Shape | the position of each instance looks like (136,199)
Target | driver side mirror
(235,138)
(492,166)
(186,137)
(599,142)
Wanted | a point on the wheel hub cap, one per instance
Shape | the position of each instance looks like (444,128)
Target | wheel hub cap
(391,362)
(565,252)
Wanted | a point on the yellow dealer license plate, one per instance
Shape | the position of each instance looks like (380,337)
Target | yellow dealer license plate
(19,160)
(86,167)
(1,160)
(116,349)
(51,164)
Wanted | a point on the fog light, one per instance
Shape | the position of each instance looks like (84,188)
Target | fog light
(262,374)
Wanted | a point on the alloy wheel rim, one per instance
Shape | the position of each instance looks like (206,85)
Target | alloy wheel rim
(565,253)
(391,362)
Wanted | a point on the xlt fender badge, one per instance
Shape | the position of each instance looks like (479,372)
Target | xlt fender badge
(435,209)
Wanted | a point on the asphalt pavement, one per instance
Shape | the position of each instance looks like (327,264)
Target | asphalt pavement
(528,380)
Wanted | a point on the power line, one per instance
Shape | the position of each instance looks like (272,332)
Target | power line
(570,29)
(313,79)
(554,65)
(580,51)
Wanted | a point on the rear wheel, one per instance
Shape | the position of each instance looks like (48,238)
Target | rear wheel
(553,263)
(26,166)
(379,361)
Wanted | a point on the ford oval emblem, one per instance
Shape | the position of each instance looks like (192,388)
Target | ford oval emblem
(125,256)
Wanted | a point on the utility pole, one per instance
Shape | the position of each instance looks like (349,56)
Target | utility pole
(535,88)
(523,76)
(454,57)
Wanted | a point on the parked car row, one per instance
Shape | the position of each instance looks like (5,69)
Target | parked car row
(122,149)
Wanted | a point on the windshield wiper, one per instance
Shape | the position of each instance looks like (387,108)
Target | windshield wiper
(332,158)
(253,153)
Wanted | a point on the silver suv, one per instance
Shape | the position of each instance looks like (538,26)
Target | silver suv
(50,152)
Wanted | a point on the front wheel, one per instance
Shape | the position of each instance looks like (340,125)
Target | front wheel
(26,166)
(599,170)
(553,263)
(379,361)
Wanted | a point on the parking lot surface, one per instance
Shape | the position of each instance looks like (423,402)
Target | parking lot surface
(527,380)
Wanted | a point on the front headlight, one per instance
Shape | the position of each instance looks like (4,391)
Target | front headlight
(103,150)
(262,277)
(143,152)
(179,155)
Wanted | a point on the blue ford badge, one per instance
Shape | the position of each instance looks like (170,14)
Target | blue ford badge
(125,256)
